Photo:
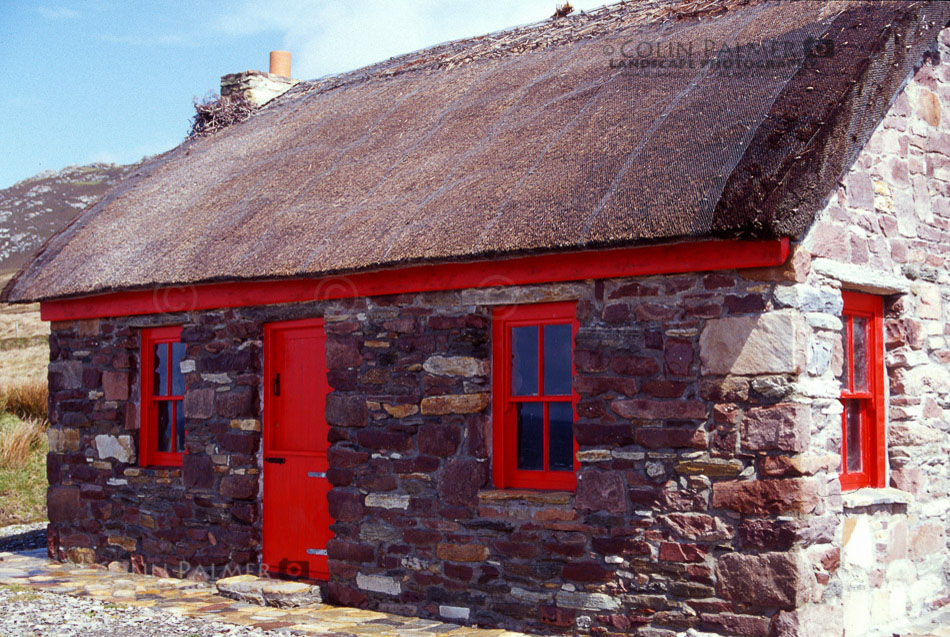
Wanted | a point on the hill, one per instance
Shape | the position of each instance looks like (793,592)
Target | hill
(33,209)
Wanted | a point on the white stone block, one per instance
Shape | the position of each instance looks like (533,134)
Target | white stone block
(454,612)
(858,552)
(118,447)
(387,501)
(378,584)
(587,601)
(857,611)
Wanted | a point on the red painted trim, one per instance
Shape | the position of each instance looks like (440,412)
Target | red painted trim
(505,472)
(873,438)
(700,256)
(148,419)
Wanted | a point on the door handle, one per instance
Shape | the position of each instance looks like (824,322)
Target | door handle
(276,384)
(275,460)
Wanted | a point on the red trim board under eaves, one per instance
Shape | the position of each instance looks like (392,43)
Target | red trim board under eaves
(702,256)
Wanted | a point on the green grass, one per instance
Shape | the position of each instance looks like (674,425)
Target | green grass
(23,342)
(22,593)
(23,489)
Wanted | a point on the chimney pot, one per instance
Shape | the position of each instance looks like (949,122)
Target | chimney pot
(280,63)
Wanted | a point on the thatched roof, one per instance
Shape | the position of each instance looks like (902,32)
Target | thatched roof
(537,139)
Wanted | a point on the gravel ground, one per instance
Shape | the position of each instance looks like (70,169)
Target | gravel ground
(28,612)
(23,537)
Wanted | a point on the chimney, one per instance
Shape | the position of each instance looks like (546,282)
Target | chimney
(258,87)
(280,63)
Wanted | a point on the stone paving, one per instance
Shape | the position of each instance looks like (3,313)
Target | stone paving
(200,600)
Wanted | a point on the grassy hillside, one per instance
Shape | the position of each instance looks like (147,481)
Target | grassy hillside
(24,353)
(33,209)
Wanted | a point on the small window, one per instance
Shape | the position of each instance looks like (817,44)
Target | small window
(162,433)
(863,445)
(533,413)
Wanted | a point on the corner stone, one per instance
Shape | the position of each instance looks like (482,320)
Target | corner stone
(783,427)
(782,580)
(771,343)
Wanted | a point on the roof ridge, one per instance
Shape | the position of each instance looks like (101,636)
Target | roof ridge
(544,34)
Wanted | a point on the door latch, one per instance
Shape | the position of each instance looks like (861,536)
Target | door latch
(277,384)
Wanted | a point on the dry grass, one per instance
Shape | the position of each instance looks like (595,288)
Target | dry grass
(24,355)
(24,343)
(21,321)
(23,486)
(23,364)
(27,399)
(20,439)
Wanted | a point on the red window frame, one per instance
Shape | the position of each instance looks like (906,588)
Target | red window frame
(505,470)
(866,404)
(149,455)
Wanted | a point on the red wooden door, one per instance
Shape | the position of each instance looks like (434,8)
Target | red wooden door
(295,517)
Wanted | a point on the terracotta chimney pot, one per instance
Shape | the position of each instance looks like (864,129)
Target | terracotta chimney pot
(280,63)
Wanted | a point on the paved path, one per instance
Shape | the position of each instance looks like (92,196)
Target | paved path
(199,600)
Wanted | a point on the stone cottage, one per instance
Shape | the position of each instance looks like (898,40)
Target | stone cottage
(630,321)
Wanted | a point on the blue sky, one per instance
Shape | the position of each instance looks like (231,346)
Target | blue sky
(104,80)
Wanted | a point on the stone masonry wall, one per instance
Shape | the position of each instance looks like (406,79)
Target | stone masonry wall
(103,507)
(887,231)
(691,509)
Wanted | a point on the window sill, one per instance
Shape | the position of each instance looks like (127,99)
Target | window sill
(871,497)
(527,496)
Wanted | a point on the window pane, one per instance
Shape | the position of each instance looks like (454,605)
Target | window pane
(561,437)
(524,366)
(843,373)
(845,376)
(557,360)
(161,369)
(853,432)
(859,338)
(530,436)
(165,417)
(178,379)
(179,426)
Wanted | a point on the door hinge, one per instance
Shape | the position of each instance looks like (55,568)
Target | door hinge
(277,384)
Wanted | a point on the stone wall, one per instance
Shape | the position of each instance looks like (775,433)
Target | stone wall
(688,499)
(197,519)
(692,508)
(887,231)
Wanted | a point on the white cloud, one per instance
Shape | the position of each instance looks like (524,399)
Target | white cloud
(340,35)
(57,13)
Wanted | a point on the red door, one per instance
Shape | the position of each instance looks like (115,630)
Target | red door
(295,517)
